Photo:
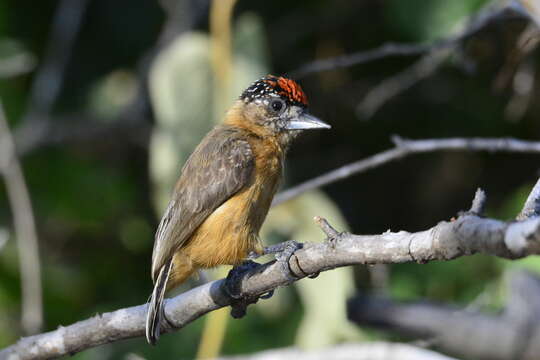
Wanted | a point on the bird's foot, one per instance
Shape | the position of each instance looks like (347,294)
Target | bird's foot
(283,251)
(232,283)
(233,288)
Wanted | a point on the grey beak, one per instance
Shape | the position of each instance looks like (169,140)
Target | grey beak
(306,121)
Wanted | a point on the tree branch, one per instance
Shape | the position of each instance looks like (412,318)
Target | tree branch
(532,204)
(25,229)
(403,148)
(511,334)
(396,84)
(468,234)
(475,24)
(48,80)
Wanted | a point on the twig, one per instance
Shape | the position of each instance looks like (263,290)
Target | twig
(49,78)
(479,202)
(394,85)
(528,41)
(429,63)
(132,119)
(405,148)
(47,81)
(468,234)
(326,228)
(25,229)
(532,204)
(477,22)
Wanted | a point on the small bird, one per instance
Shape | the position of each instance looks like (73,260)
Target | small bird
(226,187)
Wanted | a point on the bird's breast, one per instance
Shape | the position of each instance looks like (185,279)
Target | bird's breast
(231,231)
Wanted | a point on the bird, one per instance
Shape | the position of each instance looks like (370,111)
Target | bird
(226,187)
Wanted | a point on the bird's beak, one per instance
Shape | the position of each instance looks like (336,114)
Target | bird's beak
(305,121)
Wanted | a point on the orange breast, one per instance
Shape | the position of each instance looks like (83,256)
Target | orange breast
(232,230)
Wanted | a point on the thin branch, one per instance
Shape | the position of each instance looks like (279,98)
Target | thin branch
(479,202)
(133,118)
(428,64)
(532,204)
(434,55)
(475,24)
(468,234)
(25,229)
(404,148)
(48,79)
(395,85)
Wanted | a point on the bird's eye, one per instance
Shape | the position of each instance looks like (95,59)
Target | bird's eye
(277,105)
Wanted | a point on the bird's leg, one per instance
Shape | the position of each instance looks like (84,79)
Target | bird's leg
(232,287)
(284,251)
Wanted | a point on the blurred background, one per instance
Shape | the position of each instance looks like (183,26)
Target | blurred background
(106,99)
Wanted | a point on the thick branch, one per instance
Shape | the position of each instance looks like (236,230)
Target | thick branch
(511,334)
(404,148)
(468,234)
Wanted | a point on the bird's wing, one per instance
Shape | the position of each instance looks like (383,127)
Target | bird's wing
(219,167)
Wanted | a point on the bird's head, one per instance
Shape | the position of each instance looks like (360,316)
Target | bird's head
(279,105)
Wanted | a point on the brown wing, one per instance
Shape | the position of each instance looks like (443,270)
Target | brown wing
(219,167)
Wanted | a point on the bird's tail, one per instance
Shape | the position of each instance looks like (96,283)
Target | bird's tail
(155,304)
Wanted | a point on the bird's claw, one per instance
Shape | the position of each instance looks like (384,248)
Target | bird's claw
(232,283)
(288,250)
(283,251)
(232,287)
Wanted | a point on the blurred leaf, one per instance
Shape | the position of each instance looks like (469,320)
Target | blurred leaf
(181,89)
(112,94)
(14,59)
